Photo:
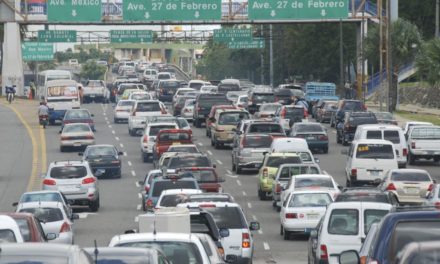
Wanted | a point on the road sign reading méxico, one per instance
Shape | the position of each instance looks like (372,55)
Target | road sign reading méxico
(228,35)
(133,36)
(171,10)
(252,44)
(297,9)
(37,51)
(73,10)
(57,35)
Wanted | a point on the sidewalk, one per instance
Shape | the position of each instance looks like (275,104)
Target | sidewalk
(26,111)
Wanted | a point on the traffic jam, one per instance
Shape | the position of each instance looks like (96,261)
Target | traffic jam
(384,209)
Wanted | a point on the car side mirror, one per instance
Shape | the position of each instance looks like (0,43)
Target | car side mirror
(214,166)
(80,153)
(51,236)
(253,226)
(344,152)
(74,217)
(314,233)
(92,115)
(224,232)
(316,159)
(349,257)
(120,153)
(59,132)
(15,204)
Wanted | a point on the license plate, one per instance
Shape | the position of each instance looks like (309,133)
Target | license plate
(176,143)
(374,173)
(412,190)
(311,138)
(257,165)
(92,95)
(77,144)
(69,188)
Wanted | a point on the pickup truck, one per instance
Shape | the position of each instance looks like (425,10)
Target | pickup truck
(423,143)
(168,137)
(95,90)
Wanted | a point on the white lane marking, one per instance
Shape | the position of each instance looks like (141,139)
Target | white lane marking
(260,232)
(244,193)
(129,163)
(239,182)
(105,113)
(228,171)
(219,162)
(133,173)
(266,246)
(106,118)
(125,153)
(325,172)
(209,152)
(140,195)
(85,215)
(334,132)
(254,217)
(138,207)
(200,144)
(122,145)
(113,132)
(137,184)
(136,219)
(117,138)
(249,205)
(110,126)
(108,122)
(231,176)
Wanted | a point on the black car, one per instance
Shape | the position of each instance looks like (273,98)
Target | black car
(104,160)
(346,128)
(366,194)
(284,96)
(166,90)
(346,106)
(203,105)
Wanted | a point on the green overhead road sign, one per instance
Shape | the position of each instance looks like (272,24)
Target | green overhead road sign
(252,44)
(37,51)
(73,10)
(132,36)
(297,9)
(56,35)
(230,35)
(171,10)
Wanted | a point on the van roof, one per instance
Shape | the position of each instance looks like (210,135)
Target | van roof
(372,141)
(379,126)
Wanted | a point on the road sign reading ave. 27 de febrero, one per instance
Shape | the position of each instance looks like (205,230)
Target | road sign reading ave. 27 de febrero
(73,10)
(249,44)
(297,9)
(57,35)
(132,36)
(37,51)
(233,34)
(171,10)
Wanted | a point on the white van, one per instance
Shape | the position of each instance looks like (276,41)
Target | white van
(369,160)
(386,132)
(343,227)
(293,145)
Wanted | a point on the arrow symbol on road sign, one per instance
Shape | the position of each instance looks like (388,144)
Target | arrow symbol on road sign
(323,13)
(273,13)
(147,15)
(74,13)
(197,14)
(120,40)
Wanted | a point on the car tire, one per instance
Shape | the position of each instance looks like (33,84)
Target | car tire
(281,230)
(62,149)
(145,157)
(411,159)
(286,234)
(436,159)
(115,120)
(198,123)
(94,206)
(338,139)
(274,203)
(347,183)
(237,169)
(325,150)
(260,195)
(51,122)
(278,209)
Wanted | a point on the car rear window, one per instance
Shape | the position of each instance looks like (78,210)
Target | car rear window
(392,135)
(231,118)
(364,197)
(205,102)
(352,106)
(204,176)
(148,107)
(170,85)
(190,161)
(412,176)
(374,151)
(257,142)
(344,222)
(227,217)
(183,149)
(154,130)
(269,107)
(310,200)
(287,172)
(265,128)
(45,214)
(101,151)
(356,121)
(262,98)
(174,136)
(140,97)
(76,128)
(277,161)
(7,235)
(77,114)
(68,172)
(309,128)
(313,182)
(125,103)
(36,197)
(426,133)
(172,200)
(372,216)
(374,134)
(160,186)
(291,111)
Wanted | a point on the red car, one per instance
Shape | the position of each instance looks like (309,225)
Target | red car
(30,227)
(207,178)
(168,137)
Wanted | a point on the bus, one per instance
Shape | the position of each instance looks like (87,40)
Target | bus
(49,75)
(61,95)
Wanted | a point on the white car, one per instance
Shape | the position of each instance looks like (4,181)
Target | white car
(141,95)
(181,91)
(45,196)
(172,197)
(54,219)
(302,210)
(188,109)
(147,141)
(139,113)
(368,160)
(242,101)
(410,124)
(208,89)
(76,135)
(9,230)
(177,247)
(122,110)
(343,227)
(230,216)
(293,145)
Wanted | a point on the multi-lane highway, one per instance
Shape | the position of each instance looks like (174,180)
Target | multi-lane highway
(120,198)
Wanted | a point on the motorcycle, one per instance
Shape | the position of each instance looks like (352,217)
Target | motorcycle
(10,97)
(44,119)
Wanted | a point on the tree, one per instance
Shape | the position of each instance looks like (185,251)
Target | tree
(92,71)
(428,61)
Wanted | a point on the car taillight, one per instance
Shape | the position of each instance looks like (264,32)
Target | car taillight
(219,130)
(265,172)
(49,182)
(354,172)
(88,180)
(246,242)
(149,203)
(65,138)
(65,227)
(89,137)
(145,139)
(323,137)
(116,161)
(405,152)
(278,188)
(207,206)
(391,187)
(163,111)
(413,145)
(283,113)
(291,215)
(147,188)
(221,251)
(323,252)
(306,113)
(431,186)
(437,205)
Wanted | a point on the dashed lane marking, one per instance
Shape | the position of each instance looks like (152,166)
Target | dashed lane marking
(113,132)
(239,182)
(136,219)
(110,126)
(137,184)
(140,195)
(244,193)
(229,172)
(117,138)
(129,163)
(260,232)
(122,145)
(209,152)
(266,246)
(125,153)
(325,172)
(133,173)
(200,144)
(254,218)
(138,207)
(249,205)
(219,162)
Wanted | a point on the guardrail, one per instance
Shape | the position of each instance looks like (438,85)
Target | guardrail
(186,77)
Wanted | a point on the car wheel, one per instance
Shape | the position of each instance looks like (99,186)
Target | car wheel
(348,183)
(62,149)
(51,122)
(212,142)
(145,157)
(274,203)
(234,167)
(281,230)
(278,209)
(115,120)
(325,150)
(237,169)
(436,159)
(198,123)
(411,159)
(94,206)
(260,195)
(286,235)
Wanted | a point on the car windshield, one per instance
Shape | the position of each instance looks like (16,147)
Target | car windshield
(313,181)
(172,200)
(214,101)
(189,149)
(352,106)
(148,107)
(77,114)
(34,259)
(24,229)
(309,128)
(176,252)
(160,186)
(266,128)
(372,216)
(43,197)
(262,98)
(75,128)
(204,176)
(68,172)
(277,161)
(100,151)
(227,217)
(375,151)
(94,83)
(363,196)
(257,142)
(344,222)
(410,176)
(269,107)
(45,214)
(154,130)
(190,161)
(310,200)
(426,133)
(6,236)
(174,136)
(287,172)
(231,118)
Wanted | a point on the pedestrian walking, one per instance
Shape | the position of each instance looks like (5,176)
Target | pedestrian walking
(33,88)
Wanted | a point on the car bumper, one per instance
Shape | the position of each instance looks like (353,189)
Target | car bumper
(188,116)
(300,226)
(77,143)
(425,153)
(122,115)
(411,200)
(224,138)
(56,114)
(317,145)
(108,170)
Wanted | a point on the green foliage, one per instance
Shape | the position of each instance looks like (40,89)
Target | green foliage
(47,65)
(428,61)
(82,56)
(421,13)
(92,71)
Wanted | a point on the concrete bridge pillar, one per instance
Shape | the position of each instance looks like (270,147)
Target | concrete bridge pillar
(12,67)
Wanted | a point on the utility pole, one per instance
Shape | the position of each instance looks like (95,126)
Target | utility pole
(262,58)
(381,91)
(341,56)
(271,55)
(437,11)
(389,58)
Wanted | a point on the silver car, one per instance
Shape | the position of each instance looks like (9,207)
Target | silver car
(249,151)
(75,180)
(54,219)
(46,196)
(122,110)
(76,135)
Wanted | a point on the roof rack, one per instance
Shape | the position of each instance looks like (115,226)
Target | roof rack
(411,208)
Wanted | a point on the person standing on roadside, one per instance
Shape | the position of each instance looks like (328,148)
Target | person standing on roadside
(32,85)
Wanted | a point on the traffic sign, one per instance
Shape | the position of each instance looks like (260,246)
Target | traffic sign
(73,10)
(133,36)
(171,10)
(230,35)
(37,51)
(57,35)
(252,44)
(297,9)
